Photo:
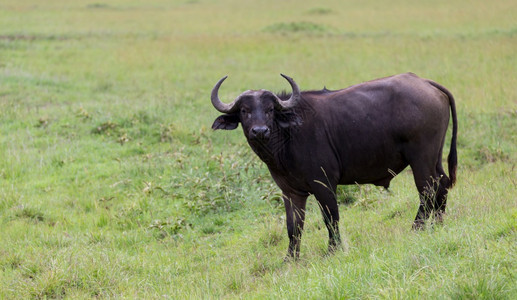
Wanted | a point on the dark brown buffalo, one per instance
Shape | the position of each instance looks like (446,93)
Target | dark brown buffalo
(367,133)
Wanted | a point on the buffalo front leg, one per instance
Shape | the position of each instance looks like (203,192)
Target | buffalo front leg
(326,197)
(295,218)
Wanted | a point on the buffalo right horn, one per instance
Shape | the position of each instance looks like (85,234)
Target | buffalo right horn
(217,103)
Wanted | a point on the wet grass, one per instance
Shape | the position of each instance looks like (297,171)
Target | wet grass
(113,185)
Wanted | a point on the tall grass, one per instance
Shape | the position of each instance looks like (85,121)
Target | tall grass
(113,185)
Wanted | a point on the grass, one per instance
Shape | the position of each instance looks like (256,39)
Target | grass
(113,185)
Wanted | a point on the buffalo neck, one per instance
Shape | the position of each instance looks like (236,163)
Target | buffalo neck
(273,152)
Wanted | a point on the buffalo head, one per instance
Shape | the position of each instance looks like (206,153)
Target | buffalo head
(259,111)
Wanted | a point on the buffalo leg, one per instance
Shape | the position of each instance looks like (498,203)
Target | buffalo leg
(427,183)
(441,195)
(328,204)
(295,218)
(424,209)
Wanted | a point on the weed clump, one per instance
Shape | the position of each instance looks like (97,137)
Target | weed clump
(29,213)
(98,6)
(107,128)
(320,11)
(296,27)
(42,122)
(169,227)
(486,155)
(167,133)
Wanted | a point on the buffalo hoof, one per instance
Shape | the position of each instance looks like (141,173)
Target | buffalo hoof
(333,249)
(438,217)
(337,246)
(418,225)
(289,259)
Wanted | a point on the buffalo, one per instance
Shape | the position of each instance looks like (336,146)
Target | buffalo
(312,141)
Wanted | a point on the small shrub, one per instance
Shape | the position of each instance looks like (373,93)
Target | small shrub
(166,133)
(482,288)
(169,227)
(296,27)
(83,113)
(10,261)
(320,11)
(394,214)
(491,155)
(43,122)
(98,6)
(262,265)
(107,128)
(347,194)
(272,238)
(29,213)
(202,195)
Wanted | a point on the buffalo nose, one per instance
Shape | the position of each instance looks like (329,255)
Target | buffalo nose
(260,132)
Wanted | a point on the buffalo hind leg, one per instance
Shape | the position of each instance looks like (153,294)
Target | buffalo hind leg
(441,195)
(424,209)
(427,182)
(295,218)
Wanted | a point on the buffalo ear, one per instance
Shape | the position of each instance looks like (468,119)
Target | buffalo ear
(288,119)
(226,122)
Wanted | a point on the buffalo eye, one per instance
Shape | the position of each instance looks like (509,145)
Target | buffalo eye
(245,113)
(269,111)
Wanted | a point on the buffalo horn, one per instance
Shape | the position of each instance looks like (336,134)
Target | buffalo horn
(229,108)
(217,103)
(295,96)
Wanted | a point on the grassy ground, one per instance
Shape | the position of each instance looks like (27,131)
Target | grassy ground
(113,185)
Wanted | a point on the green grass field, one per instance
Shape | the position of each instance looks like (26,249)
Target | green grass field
(113,185)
